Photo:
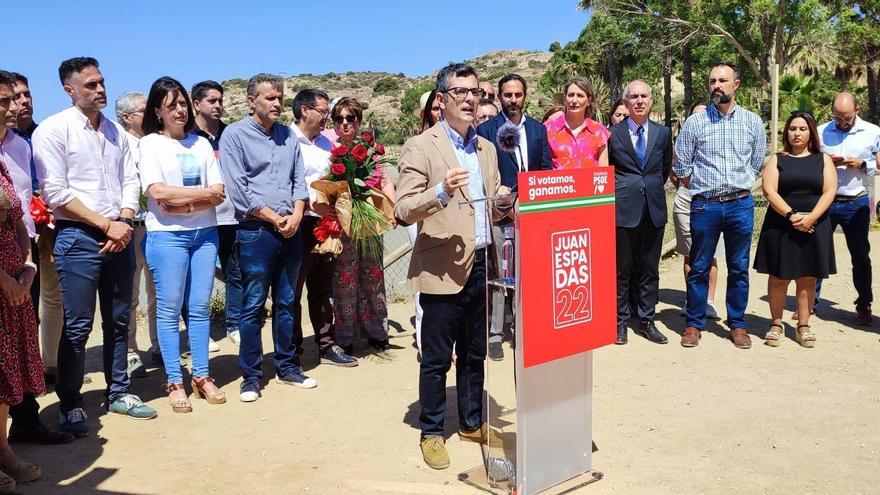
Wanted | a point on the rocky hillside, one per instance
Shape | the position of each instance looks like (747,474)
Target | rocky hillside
(382,92)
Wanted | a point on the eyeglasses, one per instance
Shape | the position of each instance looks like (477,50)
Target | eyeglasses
(487,95)
(324,113)
(461,93)
(350,119)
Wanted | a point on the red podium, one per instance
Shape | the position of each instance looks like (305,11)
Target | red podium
(565,306)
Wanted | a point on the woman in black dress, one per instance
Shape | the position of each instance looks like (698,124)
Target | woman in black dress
(796,238)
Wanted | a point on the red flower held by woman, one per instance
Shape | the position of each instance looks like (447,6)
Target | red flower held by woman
(337,169)
(339,151)
(359,153)
(379,150)
(368,137)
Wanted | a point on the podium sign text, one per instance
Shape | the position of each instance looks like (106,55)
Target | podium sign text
(567,262)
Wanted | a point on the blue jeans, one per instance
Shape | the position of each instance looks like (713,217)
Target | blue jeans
(266,258)
(231,272)
(182,264)
(736,220)
(854,217)
(83,273)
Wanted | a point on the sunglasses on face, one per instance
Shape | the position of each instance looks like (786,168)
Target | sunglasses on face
(350,119)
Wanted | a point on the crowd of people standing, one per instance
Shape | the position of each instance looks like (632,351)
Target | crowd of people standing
(89,206)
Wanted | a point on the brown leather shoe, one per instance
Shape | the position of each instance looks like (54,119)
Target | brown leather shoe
(690,337)
(740,338)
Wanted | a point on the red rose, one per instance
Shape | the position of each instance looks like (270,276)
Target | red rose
(368,137)
(359,153)
(337,169)
(339,151)
(379,150)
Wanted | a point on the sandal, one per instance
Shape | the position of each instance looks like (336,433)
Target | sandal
(773,338)
(22,472)
(181,405)
(7,484)
(806,338)
(217,397)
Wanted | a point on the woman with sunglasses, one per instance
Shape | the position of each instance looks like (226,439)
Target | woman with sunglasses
(183,184)
(796,238)
(576,140)
(359,282)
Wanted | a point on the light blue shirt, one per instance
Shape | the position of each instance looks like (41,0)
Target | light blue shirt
(466,152)
(861,141)
(722,154)
(260,169)
(634,131)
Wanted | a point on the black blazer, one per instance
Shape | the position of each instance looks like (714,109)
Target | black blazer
(633,187)
(536,137)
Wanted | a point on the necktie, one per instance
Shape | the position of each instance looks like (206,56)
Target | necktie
(640,146)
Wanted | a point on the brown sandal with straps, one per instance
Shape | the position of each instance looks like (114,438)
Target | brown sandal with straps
(178,405)
(21,472)
(198,384)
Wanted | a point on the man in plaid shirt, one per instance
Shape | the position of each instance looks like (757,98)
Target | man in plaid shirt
(720,153)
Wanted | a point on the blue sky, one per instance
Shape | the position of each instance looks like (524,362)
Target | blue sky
(138,41)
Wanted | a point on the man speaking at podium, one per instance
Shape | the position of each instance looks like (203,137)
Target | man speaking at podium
(442,171)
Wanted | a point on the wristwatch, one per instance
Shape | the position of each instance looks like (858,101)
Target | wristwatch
(790,213)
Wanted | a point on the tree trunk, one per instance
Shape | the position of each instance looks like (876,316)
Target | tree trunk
(687,75)
(613,73)
(667,87)
(873,111)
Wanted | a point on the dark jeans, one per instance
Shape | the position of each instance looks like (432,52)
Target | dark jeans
(854,217)
(460,320)
(316,274)
(266,258)
(83,273)
(736,219)
(638,263)
(226,234)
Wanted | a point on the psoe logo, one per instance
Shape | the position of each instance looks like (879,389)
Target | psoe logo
(572,277)
(600,180)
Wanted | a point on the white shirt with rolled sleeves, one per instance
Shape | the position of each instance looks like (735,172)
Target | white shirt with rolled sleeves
(316,158)
(76,161)
(861,141)
(16,153)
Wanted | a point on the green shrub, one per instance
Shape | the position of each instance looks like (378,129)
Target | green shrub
(385,85)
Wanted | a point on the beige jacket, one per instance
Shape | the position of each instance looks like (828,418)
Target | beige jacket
(443,254)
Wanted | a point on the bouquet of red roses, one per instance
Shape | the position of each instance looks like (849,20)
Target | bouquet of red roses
(352,186)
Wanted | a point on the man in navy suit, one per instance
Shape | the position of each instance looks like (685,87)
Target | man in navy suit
(641,152)
(534,151)
(533,154)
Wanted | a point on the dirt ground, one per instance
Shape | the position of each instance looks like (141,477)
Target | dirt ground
(714,419)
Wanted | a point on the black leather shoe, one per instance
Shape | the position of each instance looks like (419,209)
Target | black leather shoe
(621,336)
(379,345)
(336,356)
(38,434)
(496,353)
(651,333)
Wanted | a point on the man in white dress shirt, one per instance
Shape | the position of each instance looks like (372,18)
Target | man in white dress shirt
(854,146)
(310,110)
(88,177)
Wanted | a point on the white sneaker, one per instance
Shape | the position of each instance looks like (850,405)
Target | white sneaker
(213,346)
(234,337)
(711,312)
(248,392)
